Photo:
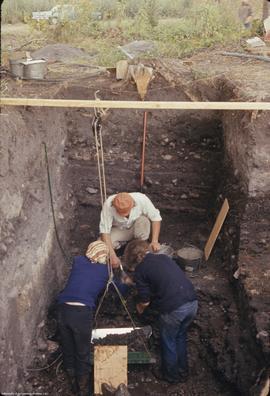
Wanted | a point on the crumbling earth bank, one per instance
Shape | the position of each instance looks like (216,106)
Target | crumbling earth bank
(193,161)
(32,265)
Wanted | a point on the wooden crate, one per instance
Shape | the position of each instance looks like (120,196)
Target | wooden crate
(110,366)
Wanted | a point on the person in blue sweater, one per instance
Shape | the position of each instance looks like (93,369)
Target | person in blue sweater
(76,304)
(159,280)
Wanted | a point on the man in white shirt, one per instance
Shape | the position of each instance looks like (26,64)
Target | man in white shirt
(127,216)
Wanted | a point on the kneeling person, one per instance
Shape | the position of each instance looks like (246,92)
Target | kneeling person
(127,216)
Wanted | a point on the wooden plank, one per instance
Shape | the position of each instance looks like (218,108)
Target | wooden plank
(264,51)
(240,55)
(114,104)
(121,69)
(110,366)
(216,229)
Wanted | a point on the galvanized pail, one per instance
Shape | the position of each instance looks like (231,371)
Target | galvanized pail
(165,249)
(35,69)
(190,258)
(16,67)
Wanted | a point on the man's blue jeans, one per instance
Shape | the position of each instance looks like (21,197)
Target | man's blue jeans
(173,333)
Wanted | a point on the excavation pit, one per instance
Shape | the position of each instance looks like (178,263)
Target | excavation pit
(193,161)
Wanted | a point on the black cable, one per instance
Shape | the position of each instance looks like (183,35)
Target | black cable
(46,367)
(66,257)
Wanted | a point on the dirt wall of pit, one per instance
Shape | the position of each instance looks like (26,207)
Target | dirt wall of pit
(32,266)
(247,142)
(245,234)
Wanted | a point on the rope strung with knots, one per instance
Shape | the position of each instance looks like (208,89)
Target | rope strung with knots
(97,131)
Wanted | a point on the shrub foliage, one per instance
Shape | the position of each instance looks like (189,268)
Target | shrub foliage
(176,26)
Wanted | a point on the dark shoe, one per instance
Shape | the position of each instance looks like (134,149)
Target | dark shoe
(160,376)
(172,380)
(107,389)
(84,385)
(73,382)
(122,390)
(183,376)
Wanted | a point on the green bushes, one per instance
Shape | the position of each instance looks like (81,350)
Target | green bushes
(192,24)
(15,10)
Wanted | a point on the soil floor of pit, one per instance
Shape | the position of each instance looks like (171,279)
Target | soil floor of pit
(216,330)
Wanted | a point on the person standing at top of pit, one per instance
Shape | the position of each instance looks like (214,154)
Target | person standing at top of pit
(245,14)
(127,216)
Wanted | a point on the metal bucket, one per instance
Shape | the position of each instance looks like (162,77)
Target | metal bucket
(16,67)
(190,258)
(35,69)
(165,249)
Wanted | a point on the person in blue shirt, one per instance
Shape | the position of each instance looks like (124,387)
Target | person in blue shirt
(159,280)
(76,303)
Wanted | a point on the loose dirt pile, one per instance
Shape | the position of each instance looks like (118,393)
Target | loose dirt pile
(63,53)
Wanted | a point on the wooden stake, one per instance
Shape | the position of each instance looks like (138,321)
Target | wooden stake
(143,148)
(216,229)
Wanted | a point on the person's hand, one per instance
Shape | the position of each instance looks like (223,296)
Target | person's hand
(141,307)
(155,246)
(114,260)
(126,279)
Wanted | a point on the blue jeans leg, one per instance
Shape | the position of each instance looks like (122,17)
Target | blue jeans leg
(168,350)
(189,312)
(181,346)
(173,332)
